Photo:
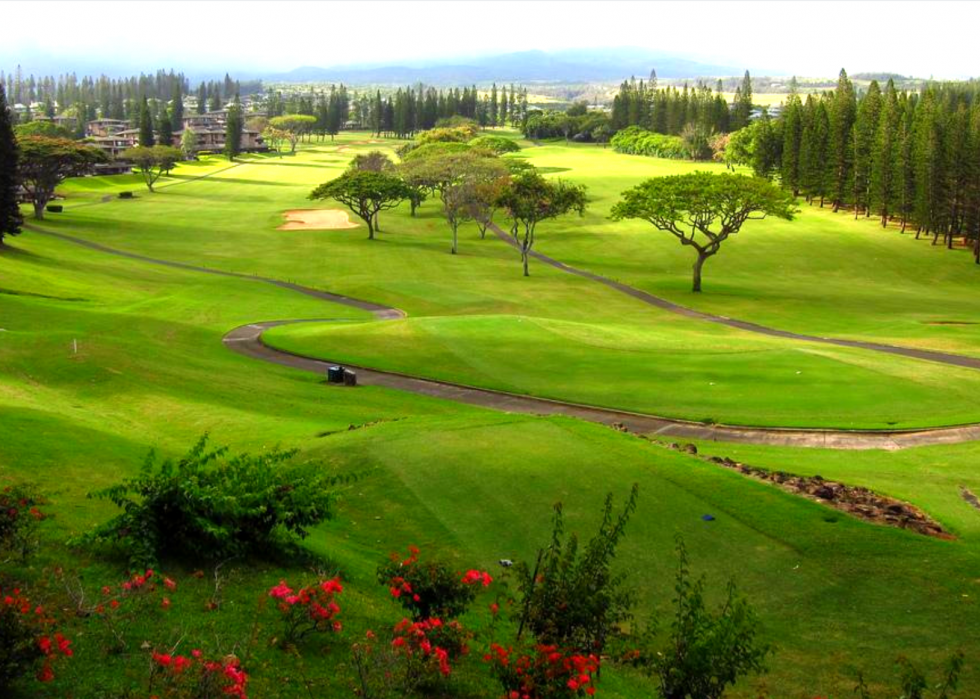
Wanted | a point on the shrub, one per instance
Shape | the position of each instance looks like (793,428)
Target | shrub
(192,677)
(136,598)
(206,505)
(634,140)
(20,517)
(453,134)
(28,639)
(543,672)
(495,144)
(312,609)
(571,598)
(55,208)
(457,121)
(913,682)
(125,195)
(430,588)
(704,652)
(429,150)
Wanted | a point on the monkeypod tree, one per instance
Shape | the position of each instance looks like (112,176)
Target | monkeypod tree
(47,162)
(372,161)
(365,194)
(468,185)
(295,126)
(530,199)
(152,163)
(702,210)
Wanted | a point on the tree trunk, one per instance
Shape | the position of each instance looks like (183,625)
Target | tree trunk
(524,262)
(370,224)
(698,264)
(39,210)
(455,238)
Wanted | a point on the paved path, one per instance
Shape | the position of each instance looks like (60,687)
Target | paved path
(929,355)
(247,340)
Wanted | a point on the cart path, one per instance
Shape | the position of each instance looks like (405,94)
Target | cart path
(247,340)
(958,360)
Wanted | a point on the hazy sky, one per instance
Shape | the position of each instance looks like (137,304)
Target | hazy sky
(807,38)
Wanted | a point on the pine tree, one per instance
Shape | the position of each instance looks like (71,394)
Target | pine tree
(233,130)
(904,163)
(494,107)
(929,158)
(10,218)
(865,130)
(177,108)
(145,124)
(742,106)
(202,99)
(165,134)
(792,118)
(841,114)
(884,155)
(813,149)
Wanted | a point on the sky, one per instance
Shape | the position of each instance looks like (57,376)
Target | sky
(807,38)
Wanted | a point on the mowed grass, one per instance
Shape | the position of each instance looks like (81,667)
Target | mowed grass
(553,334)
(824,274)
(836,595)
(151,372)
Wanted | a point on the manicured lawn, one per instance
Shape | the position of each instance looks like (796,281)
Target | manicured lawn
(836,594)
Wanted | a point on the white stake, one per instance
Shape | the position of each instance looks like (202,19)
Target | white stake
(74,344)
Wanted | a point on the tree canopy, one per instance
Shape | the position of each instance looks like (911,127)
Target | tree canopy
(46,162)
(702,209)
(530,199)
(365,194)
(152,163)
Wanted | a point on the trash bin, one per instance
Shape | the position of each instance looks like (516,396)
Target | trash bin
(335,374)
(350,378)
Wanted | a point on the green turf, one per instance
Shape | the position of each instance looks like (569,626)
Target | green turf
(836,594)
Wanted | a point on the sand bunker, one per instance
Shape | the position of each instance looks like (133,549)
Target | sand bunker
(316,220)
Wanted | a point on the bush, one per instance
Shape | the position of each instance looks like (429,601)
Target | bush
(27,639)
(634,140)
(430,588)
(431,150)
(571,598)
(496,144)
(209,506)
(311,609)
(192,677)
(544,672)
(914,684)
(454,134)
(704,652)
(125,195)
(55,208)
(19,519)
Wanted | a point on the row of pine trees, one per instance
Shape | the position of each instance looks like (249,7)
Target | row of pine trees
(670,110)
(909,157)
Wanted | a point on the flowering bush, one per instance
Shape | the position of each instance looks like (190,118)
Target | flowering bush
(192,677)
(28,639)
(134,598)
(208,506)
(430,588)
(19,519)
(572,598)
(544,671)
(309,609)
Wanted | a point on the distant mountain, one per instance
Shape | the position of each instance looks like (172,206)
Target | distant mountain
(573,65)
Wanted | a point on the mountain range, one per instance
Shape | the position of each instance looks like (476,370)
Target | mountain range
(572,65)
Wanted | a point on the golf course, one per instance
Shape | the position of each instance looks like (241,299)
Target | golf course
(486,396)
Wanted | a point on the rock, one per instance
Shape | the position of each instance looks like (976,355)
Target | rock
(689,449)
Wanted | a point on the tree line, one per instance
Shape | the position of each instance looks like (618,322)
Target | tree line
(902,156)
(111,98)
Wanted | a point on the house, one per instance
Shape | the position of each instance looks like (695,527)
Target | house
(213,139)
(112,145)
(105,127)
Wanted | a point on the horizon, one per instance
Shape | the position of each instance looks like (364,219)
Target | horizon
(942,48)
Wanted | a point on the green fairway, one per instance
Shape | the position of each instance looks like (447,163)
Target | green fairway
(103,358)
